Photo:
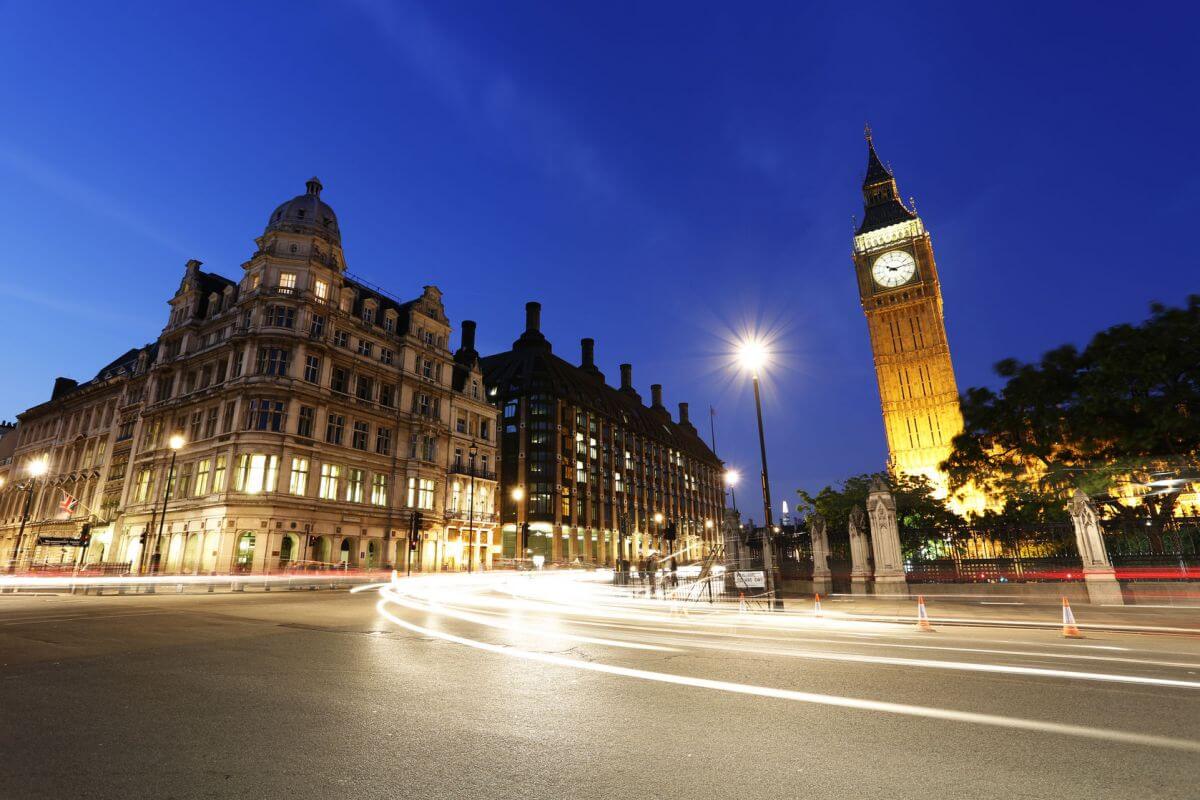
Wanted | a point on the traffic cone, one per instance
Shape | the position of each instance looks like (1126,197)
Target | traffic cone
(741,602)
(816,605)
(923,623)
(1070,629)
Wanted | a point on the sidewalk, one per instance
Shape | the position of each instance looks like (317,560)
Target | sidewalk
(1007,612)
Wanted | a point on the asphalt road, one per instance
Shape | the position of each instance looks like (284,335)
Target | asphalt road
(511,686)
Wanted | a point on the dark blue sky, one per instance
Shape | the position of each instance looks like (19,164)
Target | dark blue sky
(657,175)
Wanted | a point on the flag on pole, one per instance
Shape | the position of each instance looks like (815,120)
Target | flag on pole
(69,503)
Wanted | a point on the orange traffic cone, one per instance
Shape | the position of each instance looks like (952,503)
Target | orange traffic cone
(923,623)
(741,602)
(817,605)
(1070,629)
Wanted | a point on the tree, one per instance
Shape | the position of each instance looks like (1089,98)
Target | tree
(1117,414)
(917,506)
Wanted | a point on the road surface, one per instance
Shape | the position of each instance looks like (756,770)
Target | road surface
(553,686)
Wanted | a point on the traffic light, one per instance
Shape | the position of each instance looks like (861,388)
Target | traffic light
(85,534)
(413,543)
(669,533)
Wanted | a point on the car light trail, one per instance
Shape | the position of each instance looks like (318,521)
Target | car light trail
(394,595)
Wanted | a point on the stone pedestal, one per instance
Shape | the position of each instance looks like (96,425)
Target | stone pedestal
(885,540)
(860,553)
(822,578)
(1098,574)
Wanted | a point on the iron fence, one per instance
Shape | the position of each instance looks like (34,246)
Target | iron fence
(1024,553)
(1146,549)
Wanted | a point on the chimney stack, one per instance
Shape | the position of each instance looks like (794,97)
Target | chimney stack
(588,347)
(656,395)
(627,377)
(533,317)
(468,334)
(683,414)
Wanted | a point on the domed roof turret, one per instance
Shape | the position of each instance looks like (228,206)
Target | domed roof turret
(307,213)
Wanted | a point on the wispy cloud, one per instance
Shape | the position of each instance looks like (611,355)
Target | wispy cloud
(102,204)
(483,93)
(70,307)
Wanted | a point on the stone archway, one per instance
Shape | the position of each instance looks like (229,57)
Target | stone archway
(287,549)
(191,553)
(320,549)
(243,552)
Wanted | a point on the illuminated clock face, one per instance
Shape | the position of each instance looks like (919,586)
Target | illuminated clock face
(894,268)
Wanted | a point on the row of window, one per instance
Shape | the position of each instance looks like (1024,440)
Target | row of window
(256,473)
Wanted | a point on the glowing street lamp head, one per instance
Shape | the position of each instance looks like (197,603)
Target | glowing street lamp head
(708,523)
(37,467)
(752,355)
(518,494)
(658,517)
(732,476)
(177,441)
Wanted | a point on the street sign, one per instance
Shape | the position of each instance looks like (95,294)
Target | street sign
(750,579)
(60,541)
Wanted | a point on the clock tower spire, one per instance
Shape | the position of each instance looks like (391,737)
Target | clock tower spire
(902,299)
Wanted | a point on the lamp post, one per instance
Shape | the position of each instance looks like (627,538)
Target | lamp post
(732,476)
(176,443)
(35,469)
(518,494)
(658,521)
(471,512)
(753,356)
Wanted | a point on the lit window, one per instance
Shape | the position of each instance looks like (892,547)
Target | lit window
(218,484)
(328,487)
(287,282)
(298,484)
(354,486)
(321,290)
(200,487)
(379,490)
(420,493)
(255,473)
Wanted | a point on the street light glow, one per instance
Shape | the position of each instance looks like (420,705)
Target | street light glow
(732,476)
(518,493)
(177,441)
(752,355)
(37,467)
(658,517)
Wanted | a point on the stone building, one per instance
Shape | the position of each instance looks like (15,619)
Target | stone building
(586,465)
(317,418)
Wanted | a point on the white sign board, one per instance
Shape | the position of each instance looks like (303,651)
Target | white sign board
(756,579)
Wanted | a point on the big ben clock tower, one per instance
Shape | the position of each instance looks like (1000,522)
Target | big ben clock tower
(901,296)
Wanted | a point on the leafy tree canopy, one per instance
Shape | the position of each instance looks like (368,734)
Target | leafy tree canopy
(1124,409)
(916,505)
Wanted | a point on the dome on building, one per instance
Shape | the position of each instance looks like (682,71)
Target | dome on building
(306,213)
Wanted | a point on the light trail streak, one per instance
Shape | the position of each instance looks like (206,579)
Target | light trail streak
(390,595)
(558,601)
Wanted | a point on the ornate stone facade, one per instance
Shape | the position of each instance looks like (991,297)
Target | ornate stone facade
(320,419)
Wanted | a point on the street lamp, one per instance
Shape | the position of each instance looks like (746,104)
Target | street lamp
(658,521)
(471,512)
(732,476)
(753,356)
(518,494)
(176,443)
(35,469)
